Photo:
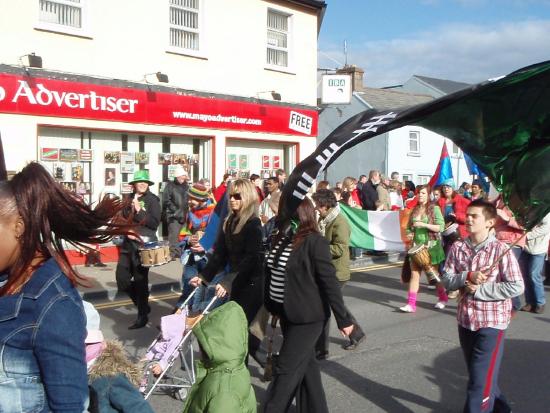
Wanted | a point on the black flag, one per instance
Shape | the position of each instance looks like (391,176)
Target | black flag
(3,170)
(502,124)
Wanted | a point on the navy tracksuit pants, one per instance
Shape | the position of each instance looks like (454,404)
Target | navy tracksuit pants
(483,353)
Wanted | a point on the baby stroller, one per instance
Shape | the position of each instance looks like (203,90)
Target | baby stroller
(172,350)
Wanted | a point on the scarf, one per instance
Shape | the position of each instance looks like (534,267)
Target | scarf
(326,221)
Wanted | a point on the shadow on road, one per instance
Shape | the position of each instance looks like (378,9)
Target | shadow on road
(523,376)
(386,398)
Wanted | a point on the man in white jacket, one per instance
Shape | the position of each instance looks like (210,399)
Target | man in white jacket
(535,251)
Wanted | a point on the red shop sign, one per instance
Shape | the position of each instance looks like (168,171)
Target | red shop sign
(48,97)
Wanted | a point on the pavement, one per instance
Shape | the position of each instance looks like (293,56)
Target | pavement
(167,278)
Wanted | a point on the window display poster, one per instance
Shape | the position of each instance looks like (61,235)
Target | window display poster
(69,186)
(232,161)
(266,162)
(85,155)
(84,188)
(180,159)
(194,159)
(276,162)
(68,155)
(59,171)
(244,174)
(142,157)
(266,173)
(49,154)
(127,162)
(243,161)
(171,172)
(110,176)
(165,158)
(126,188)
(77,172)
(111,157)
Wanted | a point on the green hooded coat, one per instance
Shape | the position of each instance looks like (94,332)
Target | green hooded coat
(223,381)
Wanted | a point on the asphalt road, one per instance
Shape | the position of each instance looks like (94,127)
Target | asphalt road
(409,363)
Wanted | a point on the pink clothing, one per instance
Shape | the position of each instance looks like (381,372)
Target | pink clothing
(172,328)
(463,257)
(511,231)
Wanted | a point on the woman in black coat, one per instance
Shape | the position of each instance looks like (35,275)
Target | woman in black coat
(238,251)
(301,289)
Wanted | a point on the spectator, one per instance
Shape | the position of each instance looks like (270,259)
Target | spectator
(220,190)
(174,207)
(281,176)
(436,194)
(535,253)
(396,201)
(369,195)
(269,207)
(477,191)
(208,185)
(453,206)
(350,185)
(362,181)
(338,185)
(258,183)
(395,176)
(337,193)
(323,185)
(383,194)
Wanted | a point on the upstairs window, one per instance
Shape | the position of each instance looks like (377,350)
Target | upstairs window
(66,16)
(185,24)
(277,38)
(414,143)
(455,150)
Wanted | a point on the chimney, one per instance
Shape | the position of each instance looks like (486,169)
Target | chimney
(356,75)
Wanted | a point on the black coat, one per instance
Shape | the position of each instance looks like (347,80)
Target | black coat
(311,286)
(148,218)
(369,195)
(244,254)
(175,201)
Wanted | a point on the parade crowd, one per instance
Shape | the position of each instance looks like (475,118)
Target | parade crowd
(263,268)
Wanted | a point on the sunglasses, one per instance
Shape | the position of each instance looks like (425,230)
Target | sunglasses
(236,196)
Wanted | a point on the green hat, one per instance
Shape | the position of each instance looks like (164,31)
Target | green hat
(141,175)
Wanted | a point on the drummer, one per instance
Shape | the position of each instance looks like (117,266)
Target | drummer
(131,276)
(425,224)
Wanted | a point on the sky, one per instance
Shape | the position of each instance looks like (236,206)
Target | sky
(462,40)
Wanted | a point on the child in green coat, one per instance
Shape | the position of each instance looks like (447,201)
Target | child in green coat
(223,381)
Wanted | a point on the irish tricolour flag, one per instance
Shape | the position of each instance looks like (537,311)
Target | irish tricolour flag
(377,230)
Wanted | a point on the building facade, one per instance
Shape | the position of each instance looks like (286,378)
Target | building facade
(217,86)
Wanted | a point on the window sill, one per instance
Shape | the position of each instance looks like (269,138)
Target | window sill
(187,53)
(68,31)
(280,69)
(414,154)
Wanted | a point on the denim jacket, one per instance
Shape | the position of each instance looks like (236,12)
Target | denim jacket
(42,352)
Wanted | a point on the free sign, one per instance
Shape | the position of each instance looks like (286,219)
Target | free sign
(300,123)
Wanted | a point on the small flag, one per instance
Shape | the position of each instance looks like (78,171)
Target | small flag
(444,170)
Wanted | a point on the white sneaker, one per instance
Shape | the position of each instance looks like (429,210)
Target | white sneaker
(440,305)
(407,309)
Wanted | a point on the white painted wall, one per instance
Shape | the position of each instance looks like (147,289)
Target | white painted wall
(400,160)
(128,38)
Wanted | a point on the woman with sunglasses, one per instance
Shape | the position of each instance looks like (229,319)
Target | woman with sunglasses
(238,251)
(301,289)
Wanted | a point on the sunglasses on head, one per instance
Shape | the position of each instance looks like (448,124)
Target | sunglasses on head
(236,196)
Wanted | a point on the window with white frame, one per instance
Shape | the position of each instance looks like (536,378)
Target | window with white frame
(414,143)
(67,16)
(278,33)
(407,177)
(185,24)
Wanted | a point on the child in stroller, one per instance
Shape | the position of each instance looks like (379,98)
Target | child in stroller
(172,329)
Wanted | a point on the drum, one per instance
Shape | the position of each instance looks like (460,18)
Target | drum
(450,234)
(421,257)
(153,254)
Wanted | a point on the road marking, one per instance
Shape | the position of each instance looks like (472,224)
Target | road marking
(126,302)
(167,296)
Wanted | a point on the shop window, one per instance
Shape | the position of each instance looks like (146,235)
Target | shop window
(64,16)
(185,26)
(423,179)
(414,143)
(278,33)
